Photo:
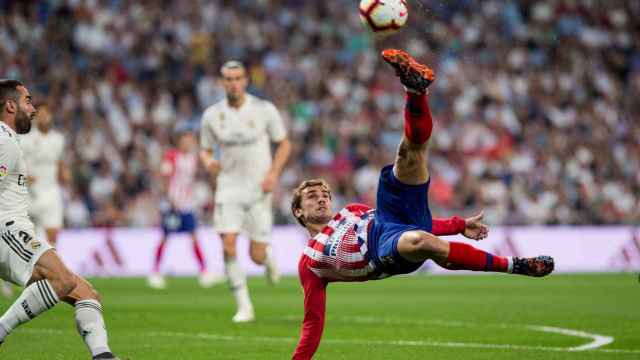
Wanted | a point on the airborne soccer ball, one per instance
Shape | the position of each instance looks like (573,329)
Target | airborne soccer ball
(384,16)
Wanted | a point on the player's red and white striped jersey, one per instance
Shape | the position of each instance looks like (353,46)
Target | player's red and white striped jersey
(180,169)
(339,251)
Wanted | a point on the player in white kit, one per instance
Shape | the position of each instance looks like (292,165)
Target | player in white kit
(43,149)
(243,127)
(25,260)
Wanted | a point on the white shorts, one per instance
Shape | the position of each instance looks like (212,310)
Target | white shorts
(47,210)
(255,219)
(19,250)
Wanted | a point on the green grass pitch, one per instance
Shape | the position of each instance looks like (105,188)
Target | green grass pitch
(411,317)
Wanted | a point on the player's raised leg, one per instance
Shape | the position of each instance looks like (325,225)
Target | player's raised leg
(410,166)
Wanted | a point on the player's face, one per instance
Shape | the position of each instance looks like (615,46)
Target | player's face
(25,111)
(44,119)
(234,82)
(316,205)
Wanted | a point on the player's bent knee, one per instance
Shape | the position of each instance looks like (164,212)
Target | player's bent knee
(420,245)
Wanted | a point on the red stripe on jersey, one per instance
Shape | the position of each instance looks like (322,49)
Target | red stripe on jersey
(344,260)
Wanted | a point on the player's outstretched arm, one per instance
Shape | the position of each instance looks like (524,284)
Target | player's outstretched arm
(314,311)
(472,228)
(475,229)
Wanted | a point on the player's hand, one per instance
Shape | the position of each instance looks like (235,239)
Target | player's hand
(213,166)
(475,229)
(269,182)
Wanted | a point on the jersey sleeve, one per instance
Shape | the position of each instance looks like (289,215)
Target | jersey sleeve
(314,312)
(207,137)
(450,226)
(9,153)
(275,124)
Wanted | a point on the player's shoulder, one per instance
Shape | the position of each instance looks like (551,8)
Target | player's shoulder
(6,133)
(212,110)
(8,139)
(255,100)
(357,208)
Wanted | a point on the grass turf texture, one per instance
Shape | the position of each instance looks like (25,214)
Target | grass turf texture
(363,320)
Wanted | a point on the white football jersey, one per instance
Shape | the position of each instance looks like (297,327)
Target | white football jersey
(244,138)
(14,196)
(42,153)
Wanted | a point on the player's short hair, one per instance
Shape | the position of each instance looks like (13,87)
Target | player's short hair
(232,64)
(296,200)
(8,90)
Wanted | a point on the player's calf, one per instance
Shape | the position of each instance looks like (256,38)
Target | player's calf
(89,319)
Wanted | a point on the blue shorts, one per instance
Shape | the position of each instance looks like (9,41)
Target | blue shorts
(178,222)
(399,208)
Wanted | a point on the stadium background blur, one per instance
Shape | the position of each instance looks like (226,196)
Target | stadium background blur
(536,104)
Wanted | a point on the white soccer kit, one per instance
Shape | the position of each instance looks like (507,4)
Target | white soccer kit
(243,136)
(43,153)
(19,251)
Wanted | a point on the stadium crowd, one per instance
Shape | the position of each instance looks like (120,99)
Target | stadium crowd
(536,103)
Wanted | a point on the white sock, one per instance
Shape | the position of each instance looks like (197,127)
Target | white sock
(90,325)
(34,300)
(237,283)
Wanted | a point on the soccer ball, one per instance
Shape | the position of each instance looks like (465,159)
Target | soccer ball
(384,16)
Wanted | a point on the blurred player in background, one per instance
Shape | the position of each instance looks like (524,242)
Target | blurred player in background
(43,151)
(243,127)
(360,243)
(24,259)
(179,169)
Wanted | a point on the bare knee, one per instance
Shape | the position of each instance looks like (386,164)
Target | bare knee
(421,245)
(258,253)
(83,291)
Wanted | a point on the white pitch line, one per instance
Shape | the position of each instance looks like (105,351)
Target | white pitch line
(598,340)
(411,343)
(407,343)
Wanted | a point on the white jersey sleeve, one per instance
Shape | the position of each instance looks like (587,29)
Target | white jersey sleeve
(275,124)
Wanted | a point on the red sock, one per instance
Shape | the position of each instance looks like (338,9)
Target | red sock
(417,118)
(198,253)
(465,257)
(159,252)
